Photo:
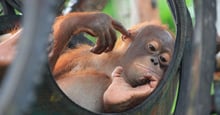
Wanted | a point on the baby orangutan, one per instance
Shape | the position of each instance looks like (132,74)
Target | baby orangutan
(88,79)
(115,80)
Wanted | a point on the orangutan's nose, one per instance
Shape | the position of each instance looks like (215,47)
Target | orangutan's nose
(154,60)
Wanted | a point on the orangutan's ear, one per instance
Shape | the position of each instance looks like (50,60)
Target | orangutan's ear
(132,34)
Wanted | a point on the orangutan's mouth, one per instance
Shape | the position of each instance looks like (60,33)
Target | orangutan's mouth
(149,75)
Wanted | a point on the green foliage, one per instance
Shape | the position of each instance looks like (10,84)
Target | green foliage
(166,15)
(109,9)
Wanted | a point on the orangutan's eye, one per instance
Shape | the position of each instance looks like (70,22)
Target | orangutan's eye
(153,46)
(164,58)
